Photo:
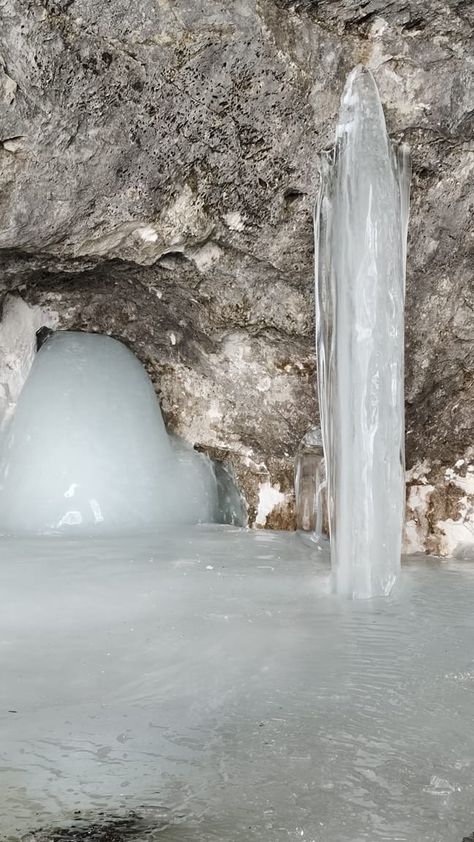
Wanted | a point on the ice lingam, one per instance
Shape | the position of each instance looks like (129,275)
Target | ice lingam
(361,229)
(87,450)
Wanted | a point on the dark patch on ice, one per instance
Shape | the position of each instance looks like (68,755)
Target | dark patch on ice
(101,829)
(469,838)
(42,335)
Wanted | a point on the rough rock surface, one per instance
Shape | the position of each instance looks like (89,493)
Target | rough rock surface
(158,168)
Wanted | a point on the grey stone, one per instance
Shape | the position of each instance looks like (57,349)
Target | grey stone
(158,169)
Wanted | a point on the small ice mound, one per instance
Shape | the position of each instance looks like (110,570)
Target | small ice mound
(87,449)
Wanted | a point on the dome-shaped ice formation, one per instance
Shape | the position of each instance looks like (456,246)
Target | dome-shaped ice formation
(87,449)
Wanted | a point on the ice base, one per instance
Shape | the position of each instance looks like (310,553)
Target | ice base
(211,680)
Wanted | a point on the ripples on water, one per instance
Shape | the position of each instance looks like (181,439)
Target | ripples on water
(212,686)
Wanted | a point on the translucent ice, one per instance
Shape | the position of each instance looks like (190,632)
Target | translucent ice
(310,485)
(361,226)
(87,448)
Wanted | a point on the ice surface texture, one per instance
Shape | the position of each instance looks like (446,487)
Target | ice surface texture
(361,228)
(207,676)
(87,448)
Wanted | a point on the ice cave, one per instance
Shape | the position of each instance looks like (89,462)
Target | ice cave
(169,669)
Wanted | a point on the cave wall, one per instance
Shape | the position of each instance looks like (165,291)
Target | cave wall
(158,169)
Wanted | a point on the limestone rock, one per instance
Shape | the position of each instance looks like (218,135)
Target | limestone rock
(158,168)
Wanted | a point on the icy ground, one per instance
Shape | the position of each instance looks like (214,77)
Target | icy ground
(211,684)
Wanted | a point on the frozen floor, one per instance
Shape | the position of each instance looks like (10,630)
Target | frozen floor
(210,684)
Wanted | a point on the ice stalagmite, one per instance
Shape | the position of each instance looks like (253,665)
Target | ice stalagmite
(360,228)
(87,450)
